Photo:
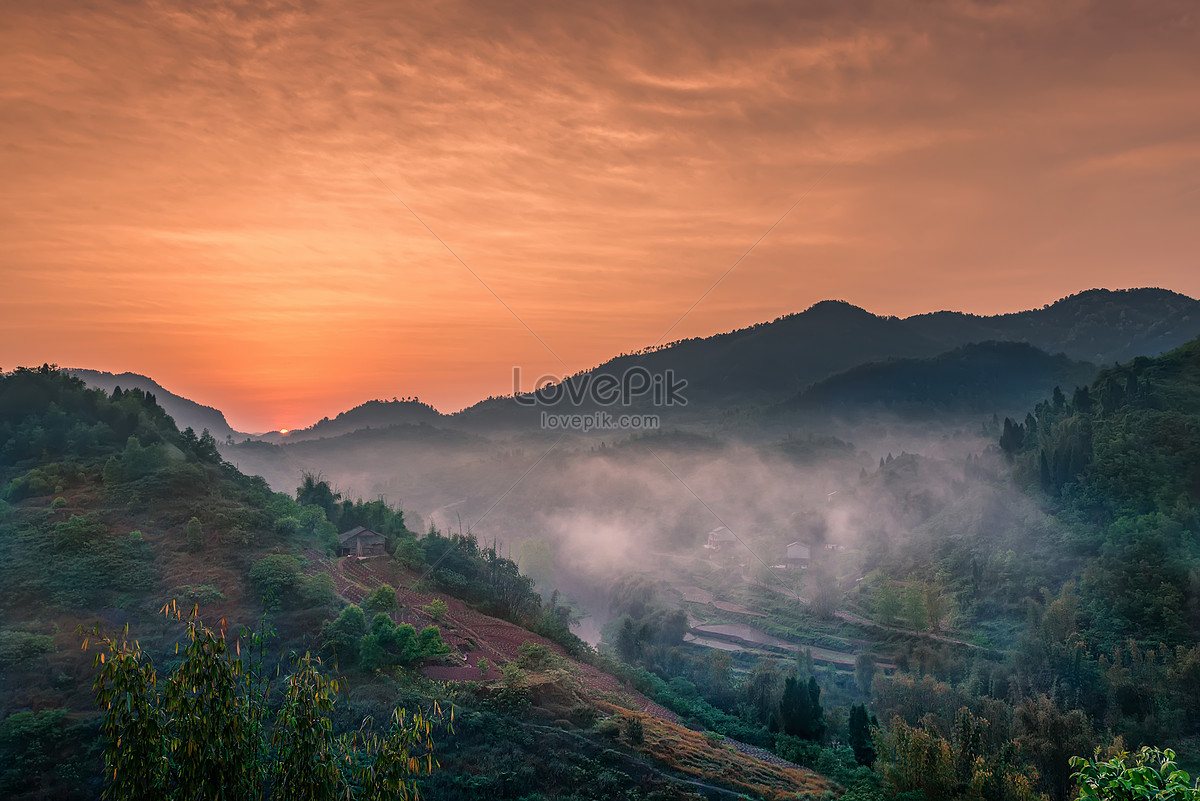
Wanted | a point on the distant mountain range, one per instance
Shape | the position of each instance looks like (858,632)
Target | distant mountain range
(832,353)
(768,363)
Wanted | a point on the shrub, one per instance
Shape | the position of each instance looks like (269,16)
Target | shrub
(29,747)
(388,644)
(1149,774)
(315,591)
(609,728)
(195,536)
(381,600)
(534,656)
(410,554)
(634,731)
(276,574)
(287,526)
(19,647)
(201,594)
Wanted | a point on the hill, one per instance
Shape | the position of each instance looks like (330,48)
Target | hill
(185,412)
(978,378)
(108,511)
(372,414)
(770,362)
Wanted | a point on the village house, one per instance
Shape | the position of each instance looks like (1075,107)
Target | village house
(360,541)
(720,538)
(798,554)
(723,545)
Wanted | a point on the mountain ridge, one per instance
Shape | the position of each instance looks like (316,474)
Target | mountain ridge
(769,362)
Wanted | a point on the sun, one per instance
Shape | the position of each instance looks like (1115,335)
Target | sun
(284,430)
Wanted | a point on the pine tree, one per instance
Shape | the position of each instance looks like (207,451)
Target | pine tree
(860,735)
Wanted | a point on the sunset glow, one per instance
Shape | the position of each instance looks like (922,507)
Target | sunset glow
(214,194)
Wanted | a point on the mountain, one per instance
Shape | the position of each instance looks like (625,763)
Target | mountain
(977,378)
(770,362)
(372,414)
(186,413)
(774,362)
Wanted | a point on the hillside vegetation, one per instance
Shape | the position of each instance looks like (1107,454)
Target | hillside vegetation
(109,512)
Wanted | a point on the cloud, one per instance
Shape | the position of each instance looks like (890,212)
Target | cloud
(604,162)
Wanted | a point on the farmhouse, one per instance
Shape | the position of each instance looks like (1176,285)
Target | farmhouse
(720,538)
(798,555)
(360,541)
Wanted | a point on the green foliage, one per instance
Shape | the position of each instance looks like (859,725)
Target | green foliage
(949,768)
(1148,774)
(275,575)
(800,709)
(389,644)
(436,609)
(195,537)
(93,566)
(382,600)
(20,647)
(30,747)
(861,737)
(634,731)
(201,594)
(200,731)
(318,590)
(305,764)
(342,637)
(864,673)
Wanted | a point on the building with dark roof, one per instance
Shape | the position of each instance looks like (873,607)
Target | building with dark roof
(360,541)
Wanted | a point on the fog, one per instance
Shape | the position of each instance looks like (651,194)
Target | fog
(580,512)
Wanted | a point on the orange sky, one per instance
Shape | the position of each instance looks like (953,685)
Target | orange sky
(188,190)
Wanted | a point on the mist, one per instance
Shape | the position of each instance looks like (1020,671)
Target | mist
(579,513)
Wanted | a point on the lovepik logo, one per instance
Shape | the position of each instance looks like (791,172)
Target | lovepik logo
(603,389)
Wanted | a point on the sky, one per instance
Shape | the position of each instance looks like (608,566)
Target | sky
(285,209)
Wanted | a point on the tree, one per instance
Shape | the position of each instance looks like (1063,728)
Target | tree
(381,600)
(275,575)
(315,491)
(938,606)
(199,731)
(342,636)
(389,643)
(195,536)
(860,735)
(800,708)
(864,673)
(913,602)
(888,604)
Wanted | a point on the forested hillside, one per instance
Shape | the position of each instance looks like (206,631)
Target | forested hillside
(185,412)
(979,378)
(109,512)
